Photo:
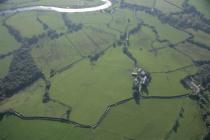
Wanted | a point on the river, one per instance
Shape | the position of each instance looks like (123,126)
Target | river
(106,5)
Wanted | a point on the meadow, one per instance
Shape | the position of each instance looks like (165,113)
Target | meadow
(87,75)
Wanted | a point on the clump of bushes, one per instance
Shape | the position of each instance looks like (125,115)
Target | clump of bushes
(22,73)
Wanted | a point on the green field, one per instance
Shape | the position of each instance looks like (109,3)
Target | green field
(86,71)
(8,43)
(5,63)
(86,85)
(202,6)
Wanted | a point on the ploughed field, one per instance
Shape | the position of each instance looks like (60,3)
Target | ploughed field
(68,75)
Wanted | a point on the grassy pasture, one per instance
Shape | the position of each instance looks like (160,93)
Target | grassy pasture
(8,43)
(88,41)
(160,62)
(53,20)
(29,103)
(176,2)
(28,25)
(202,6)
(159,4)
(4,64)
(194,51)
(167,7)
(143,39)
(168,84)
(89,87)
(191,124)
(200,36)
(165,31)
(13,128)
(81,41)
(123,20)
(54,54)
(145,121)
(149,121)
(154,59)
(93,87)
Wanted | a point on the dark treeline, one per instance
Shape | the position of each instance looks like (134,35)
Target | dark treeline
(15,33)
(2,1)
(46,96)
(202,76)
(71,26)
(95,57)
(22,73)
(201,62)
(135,29)
(129,54)
(2,56)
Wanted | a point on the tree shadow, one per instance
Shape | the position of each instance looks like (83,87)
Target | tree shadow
(145,89)
(1,116)
(136,96)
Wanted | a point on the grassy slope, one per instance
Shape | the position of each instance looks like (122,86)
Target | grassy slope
(93,87)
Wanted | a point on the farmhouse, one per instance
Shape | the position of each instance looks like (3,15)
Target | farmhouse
(140,79)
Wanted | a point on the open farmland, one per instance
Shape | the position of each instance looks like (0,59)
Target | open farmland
(134,70)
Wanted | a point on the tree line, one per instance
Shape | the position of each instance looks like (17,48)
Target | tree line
(22,73)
